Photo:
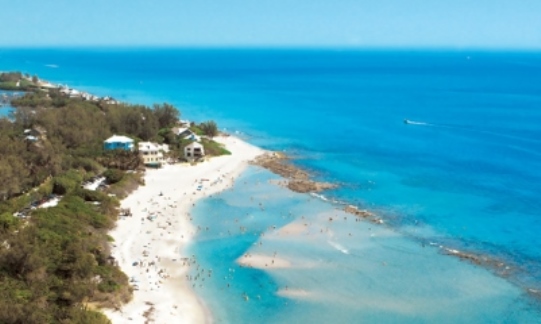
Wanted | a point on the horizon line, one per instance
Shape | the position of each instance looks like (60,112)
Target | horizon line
(271,47)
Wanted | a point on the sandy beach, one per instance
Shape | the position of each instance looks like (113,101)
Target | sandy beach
(149,244)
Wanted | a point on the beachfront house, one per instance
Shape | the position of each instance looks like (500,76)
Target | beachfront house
(186,134)
(194,152)
(152,153)
(118,142)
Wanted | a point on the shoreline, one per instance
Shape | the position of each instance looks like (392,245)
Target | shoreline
(149,245)
(174,298)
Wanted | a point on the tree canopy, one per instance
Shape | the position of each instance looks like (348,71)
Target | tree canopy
(59,261)
(209,128)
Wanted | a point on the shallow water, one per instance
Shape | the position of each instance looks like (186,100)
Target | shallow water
(346,271)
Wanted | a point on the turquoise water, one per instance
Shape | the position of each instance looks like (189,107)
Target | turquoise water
(465,174)
(5,109)
(347,271)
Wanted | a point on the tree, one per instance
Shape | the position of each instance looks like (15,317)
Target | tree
(113,175)
(167,115)
(10,77)
(209,128)
(24,116)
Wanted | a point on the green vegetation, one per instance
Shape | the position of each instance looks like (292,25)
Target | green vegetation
(17,82)
(70,136)
(213,148)
(113,175)
(129,182)
(55,265)
(67,182)
(58,262)
(209,128)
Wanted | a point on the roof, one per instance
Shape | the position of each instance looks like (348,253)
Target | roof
(118,139)
(195,145)
(148,146)
(180,130)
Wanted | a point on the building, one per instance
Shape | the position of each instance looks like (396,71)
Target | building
(193,152)
(118,142)
(35,134)
(152,153)
(72,93)
(184,123)
(185,134)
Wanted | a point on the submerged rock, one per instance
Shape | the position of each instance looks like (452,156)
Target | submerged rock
(298,179)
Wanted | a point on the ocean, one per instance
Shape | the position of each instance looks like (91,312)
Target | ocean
(445,146)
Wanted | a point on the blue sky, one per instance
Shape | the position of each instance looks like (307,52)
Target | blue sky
(264,23)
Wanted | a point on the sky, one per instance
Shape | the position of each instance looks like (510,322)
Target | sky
(507,24)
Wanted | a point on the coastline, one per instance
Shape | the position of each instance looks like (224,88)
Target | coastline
(162,274)
(451,252)
(149,245)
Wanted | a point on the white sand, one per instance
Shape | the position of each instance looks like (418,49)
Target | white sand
(294,293)
(262,261)
(292,229)
(158,244)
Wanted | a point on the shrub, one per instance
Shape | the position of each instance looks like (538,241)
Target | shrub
(114,175)
(214,148)
(91,195)
(8,222)
(67,182)
(88,164)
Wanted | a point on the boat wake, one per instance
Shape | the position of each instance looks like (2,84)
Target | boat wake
(411,122)
(473,129)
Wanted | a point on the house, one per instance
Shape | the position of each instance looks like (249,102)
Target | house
(185,133)
(184,123)
(72,93)
(194,151)
(34,134)
(118,142)
(46,85)
(109,100)
(152,153)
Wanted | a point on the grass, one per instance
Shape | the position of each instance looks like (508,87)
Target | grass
(214,148)
(129,182)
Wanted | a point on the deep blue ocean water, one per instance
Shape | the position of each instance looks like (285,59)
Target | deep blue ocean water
(465,174)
